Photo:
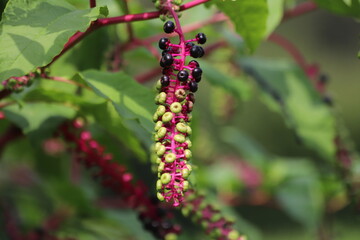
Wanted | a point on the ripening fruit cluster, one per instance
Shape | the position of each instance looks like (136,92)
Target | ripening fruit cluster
(175,99)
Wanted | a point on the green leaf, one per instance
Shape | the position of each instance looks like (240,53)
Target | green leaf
(301,194)
(276,10)
(34,116)
(247,147)
(288,91)
(237,87)
(90,105)
(249,17)
(349,8)
(132,101)
(32,33)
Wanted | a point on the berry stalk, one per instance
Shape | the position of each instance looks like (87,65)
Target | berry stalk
(173,116)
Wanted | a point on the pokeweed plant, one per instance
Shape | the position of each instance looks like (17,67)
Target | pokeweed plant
(75,97)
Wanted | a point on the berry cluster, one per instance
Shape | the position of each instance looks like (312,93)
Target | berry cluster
(114,176)
(175,100)
(17,84)
(210,218)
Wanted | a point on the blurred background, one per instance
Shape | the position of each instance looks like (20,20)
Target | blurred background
(248,158)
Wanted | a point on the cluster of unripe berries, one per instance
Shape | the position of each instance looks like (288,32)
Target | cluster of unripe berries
(18,84)
(173,115)
(209,217)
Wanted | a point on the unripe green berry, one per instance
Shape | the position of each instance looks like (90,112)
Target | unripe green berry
(157,146)
(158,125)
(11,82)
(170,236)
(189,167)
(215,233)
(189,130)
(189,143)
(179,138)
(158,160)
(160,110)
(170,157)
(216,217)
(165,178)
(167,117)
(161,151)
(185,211)
(181,127)
(160,196)
(158,185)
(175,107)
(177,2)
(161,98)
(188,153)
(158,85)
(161,132)
(204,224)
(233,235)
(161,167)
(155,117)
(185,186)
(185,173)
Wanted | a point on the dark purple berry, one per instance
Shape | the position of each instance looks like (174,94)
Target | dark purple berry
(165,81)
(163,43)
(167,70)
(201,38)
(193,86)
(189,44)
(166,60)
(183,75)
(196,72)
(194,64)
(169,27)
(196,51)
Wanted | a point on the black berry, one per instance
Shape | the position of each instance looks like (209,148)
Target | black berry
(194,63)
(166,60)
(169,27)
(193,86)
(183,75)
(201,38)
(196,51)
(189,44)
(165,81)
(196,72)
(163,43)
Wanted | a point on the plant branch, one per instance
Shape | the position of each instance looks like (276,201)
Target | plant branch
(77,37)
(290,48)
(299,10)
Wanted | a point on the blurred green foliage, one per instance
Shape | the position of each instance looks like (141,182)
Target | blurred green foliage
(263,143)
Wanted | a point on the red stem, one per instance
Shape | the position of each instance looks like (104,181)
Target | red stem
(300,10)
(77,37)
(92,3)
(290,48)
